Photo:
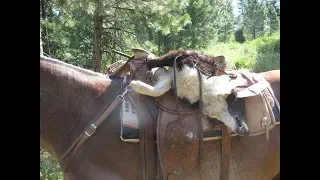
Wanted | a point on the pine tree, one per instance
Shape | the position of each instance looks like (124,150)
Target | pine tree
(276,5)
(273,20)
(227,20)
(254,18)
(203,26)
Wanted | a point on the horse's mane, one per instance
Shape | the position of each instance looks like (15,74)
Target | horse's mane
(73,67)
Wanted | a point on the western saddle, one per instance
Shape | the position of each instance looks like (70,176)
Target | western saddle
(178,128)
(179,135)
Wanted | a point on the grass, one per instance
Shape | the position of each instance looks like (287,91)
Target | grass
(262,54)
(49,167)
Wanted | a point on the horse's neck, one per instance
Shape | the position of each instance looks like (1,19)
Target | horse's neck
(69,99)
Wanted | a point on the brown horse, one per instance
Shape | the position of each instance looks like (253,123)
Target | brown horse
(70,97)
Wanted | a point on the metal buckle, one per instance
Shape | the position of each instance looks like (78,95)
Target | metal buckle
(241,129)
(95,127)
(128,89)
(264,122)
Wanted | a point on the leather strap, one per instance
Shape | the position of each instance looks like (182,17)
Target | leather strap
(225,151)
(175,86)
(146,141)
(274,98)
(89,130)
(200,123)
(103,114)
(200,119)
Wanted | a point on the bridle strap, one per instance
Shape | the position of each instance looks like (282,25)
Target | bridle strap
(96,122)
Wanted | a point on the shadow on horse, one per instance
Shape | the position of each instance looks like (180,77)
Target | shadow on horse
(70,97)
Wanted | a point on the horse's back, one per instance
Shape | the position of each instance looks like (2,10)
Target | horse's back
(273,77)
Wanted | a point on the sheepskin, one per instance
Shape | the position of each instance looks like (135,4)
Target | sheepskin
(214,94)
(161,80)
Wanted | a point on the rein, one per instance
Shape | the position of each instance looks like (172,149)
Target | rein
(69,154)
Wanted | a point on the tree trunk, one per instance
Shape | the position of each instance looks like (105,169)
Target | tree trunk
(44,18)
(114,36)
(97,38)
(43,10)
(41,51)
(159,42)
(149,30)
(225,34)
(166,43)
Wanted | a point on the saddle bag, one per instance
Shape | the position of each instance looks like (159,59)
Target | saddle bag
(257,100)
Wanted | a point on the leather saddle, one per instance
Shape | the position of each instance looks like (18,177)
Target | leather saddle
(179,135)
(178,140)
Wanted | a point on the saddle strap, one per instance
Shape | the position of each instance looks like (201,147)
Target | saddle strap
(200,120)
(69,154)
(90,129)
(146,141)
(224,171)
(200,107)
(274,98)
(175,86)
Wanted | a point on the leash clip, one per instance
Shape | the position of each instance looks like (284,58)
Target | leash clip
(128,89)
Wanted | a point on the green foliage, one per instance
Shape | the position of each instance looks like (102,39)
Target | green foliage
(268,48)
(69,33)
(261,54)
(159,25)
(49,168)
(267,61)
(170,18)
(243,64)
(203,27)
(268,44)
